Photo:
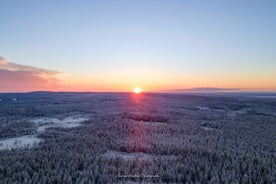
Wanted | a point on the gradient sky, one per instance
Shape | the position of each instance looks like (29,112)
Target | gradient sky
(66,45)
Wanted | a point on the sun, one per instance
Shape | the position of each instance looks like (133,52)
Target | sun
(137,90)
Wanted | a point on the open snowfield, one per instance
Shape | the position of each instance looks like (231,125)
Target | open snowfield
(128,156)
(137,156)
(19,142)
(42,125)
(145,138)
(67,122)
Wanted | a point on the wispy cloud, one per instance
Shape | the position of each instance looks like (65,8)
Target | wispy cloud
(19,78)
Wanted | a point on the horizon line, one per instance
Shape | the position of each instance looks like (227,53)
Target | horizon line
(179,91)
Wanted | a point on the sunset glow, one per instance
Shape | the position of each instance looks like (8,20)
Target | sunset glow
(137,90)
(158,45)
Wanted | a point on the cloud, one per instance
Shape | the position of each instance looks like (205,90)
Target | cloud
(21,78)
(3,60)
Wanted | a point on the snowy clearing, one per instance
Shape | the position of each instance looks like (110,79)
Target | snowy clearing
(237,112)
(207,128)
(128,156)
(134,156)
(203,108)
(19,142)
(69,122)
(42,125)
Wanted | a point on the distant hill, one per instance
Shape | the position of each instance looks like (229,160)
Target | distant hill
(203,89)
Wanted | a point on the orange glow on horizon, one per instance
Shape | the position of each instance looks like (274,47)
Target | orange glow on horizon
(118,80)
(155,80)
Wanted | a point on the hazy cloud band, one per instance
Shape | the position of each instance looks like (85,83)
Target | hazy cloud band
(21,78)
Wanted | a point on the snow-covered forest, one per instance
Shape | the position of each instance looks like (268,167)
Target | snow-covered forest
(128,138)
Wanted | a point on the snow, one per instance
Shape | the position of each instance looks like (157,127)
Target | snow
(207,128)
(19,142)
(203,108)
(146,123)
(42,125)
(128,156)
(237,112)
(265,96)
(69,122)
(134,156)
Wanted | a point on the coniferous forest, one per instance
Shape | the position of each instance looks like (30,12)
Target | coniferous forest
(146,138)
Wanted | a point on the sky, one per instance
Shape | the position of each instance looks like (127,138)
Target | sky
(116,45)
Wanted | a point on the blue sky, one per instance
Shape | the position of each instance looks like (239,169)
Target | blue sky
(187,39)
